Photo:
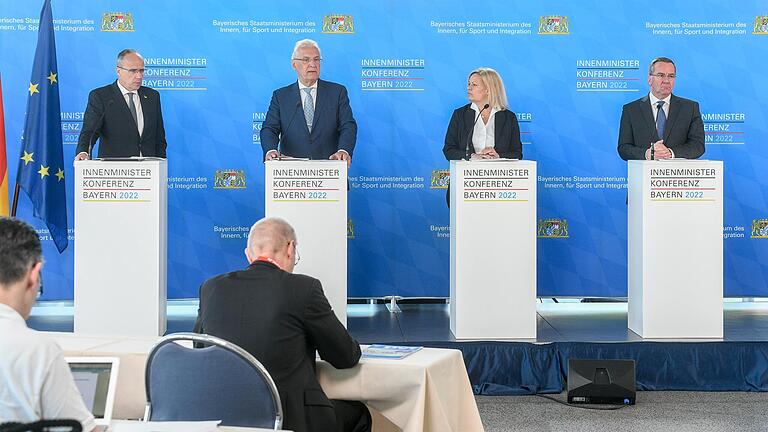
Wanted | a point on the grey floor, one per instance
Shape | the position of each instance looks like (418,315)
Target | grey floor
(654,411)
(369,323)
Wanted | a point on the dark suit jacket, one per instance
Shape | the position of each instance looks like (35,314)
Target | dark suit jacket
(118,136)
(333,126)
(506,134)
(683,132)
(281,318)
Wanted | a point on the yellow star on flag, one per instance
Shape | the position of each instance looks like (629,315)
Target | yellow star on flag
(60,174)
(27,158)
(33,89)
(43,171)
(52,78)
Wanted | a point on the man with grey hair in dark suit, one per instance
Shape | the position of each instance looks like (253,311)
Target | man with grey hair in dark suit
(310,118)
(283,318)
(661,125)
(125,116)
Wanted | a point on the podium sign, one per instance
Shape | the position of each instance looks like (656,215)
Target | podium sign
(493,249)
(675,252)
(120,247)
(312,196)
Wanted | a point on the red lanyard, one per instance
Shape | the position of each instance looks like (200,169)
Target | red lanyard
(267,259)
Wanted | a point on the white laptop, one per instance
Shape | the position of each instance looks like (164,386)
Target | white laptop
(96,378)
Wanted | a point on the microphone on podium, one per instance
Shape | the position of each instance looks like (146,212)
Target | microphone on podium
(467,153)
(282,133)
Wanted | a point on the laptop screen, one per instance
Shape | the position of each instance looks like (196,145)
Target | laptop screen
(95,379)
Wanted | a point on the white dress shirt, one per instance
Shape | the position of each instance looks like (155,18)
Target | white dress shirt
(137,102)
(483,136)
(35,380)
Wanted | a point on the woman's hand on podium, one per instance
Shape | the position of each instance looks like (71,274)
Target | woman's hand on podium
(486,153)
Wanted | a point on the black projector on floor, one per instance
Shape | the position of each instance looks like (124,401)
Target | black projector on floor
(601,382)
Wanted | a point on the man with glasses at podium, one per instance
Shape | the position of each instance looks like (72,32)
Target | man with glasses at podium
(124,116)
(661,125)
(310,118)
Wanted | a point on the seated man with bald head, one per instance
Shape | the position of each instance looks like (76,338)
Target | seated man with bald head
(283,319)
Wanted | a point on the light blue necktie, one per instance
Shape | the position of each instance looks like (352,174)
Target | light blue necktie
(661,119)
(309,107)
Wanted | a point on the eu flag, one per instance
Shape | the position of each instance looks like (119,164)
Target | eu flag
(41,168)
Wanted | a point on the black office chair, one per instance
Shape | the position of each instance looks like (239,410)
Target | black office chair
(219,382)
(43,426)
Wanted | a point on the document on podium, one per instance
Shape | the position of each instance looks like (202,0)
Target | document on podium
(482,159)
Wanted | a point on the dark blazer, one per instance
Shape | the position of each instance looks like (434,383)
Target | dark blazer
(118,136)
(506,134)
(281,318)
(333,126)
(683,132)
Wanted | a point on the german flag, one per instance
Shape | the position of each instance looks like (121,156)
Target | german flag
(4,208)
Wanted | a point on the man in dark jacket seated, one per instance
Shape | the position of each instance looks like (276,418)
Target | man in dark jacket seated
(283,319)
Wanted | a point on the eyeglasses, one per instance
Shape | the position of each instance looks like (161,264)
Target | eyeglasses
(133,71)
(40,288)
(307,60)
(662,75)
(296,252)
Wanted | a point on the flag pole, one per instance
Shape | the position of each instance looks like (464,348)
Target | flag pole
(15,199)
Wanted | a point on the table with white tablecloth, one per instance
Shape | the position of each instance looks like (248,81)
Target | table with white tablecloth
(426,391)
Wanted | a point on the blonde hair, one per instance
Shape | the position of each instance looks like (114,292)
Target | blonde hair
(497,96)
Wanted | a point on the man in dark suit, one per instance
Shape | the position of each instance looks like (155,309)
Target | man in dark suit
(661,125)
(124,116)
(310,118)
(282,319)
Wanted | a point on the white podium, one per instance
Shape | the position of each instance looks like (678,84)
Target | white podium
(675,253)
(120,247)
(493,249)
(312,196)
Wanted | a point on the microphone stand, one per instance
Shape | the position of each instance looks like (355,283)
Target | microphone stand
(282,133)
(467,153)
(94,135)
